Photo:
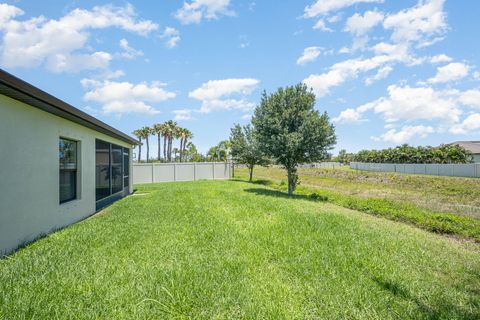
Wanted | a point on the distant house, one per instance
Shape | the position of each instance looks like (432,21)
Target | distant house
(59,165)
(472,146)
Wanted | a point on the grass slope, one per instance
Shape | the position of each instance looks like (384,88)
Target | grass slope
(383,195)
(217,250)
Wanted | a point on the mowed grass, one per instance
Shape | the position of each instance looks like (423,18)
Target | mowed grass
(228,249)
(414,199)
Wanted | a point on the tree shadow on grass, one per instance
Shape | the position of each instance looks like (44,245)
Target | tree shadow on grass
(279,194)
(263,182)
(441,309)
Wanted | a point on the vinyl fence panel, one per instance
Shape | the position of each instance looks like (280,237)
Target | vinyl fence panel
(188,171)
(470,170)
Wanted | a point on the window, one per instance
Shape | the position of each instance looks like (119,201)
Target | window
(68,170)
(112,170)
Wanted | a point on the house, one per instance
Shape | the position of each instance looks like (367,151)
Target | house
(59,165)
(473,147)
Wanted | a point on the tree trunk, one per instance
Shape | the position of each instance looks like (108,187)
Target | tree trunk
(181,146)
(165,148)
(140,150)
(290,187)
(148,149)
(251,173)
(170,149)
(159,140)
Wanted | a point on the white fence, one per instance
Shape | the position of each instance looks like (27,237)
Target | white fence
(470,170)
(182,171)
(321,165)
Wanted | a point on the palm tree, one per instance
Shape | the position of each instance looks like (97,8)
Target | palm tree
(185,135)
(170,132)
(138,134)
(146,132)
(175,135)
(158,130)
(175,153)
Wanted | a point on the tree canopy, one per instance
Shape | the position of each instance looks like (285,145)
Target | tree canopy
(291,131)
(245,148)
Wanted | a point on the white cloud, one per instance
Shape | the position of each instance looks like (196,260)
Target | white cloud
(196,10)
(422,23)
(381,74)
(129,52)
(182,114)
(361,25)
(226,104)
(349,69)
(440,58)
(57,44)
(451,72)
(309,54)
(349,116)
(324,7)
(476,75)
(172,37)
(215,89)
(125,97)
(320,25)
(470,98)
(225,94)
(405,134)
(471,123)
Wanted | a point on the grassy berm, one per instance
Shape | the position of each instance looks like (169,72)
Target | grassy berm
(447,205)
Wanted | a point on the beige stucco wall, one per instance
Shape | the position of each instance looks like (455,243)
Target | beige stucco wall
(29,173)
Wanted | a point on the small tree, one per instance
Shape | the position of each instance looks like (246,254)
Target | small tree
(291,131)
(245,148)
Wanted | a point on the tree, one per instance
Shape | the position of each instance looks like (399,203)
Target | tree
(245,148)
(220,152)
(138,134)
(185,134)
(146,132)
(170,132)
(289,130)
(158,130)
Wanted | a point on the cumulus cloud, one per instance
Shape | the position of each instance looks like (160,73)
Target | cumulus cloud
(197,10)
(405,134)
(58,44)
(440,58)
(469,124)
(361,24)
(451,72)
(225,94)
(215,89)
(182,114)
(171,36)
(310,54)
(129,52)
(324,7)
(423,23)
(125,97)
(320,25)
(350,69)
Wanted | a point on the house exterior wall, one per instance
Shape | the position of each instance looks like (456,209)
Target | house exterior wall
(29,173)
(476,158)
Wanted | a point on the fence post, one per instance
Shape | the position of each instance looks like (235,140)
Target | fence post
(194,171)
(153,173)
(174,172)
(213,170)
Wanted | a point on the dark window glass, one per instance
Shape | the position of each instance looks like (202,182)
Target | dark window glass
(111,169)
(126,167)
(117,174)
(102,169)
(68,169)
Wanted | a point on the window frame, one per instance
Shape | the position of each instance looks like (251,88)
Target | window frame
(76,171)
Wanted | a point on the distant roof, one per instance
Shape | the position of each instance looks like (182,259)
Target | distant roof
(20,90)
(472,146)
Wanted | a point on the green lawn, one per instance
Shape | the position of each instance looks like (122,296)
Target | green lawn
(229,249)
(446,205)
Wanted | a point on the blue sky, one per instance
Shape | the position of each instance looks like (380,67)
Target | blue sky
(387,72)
